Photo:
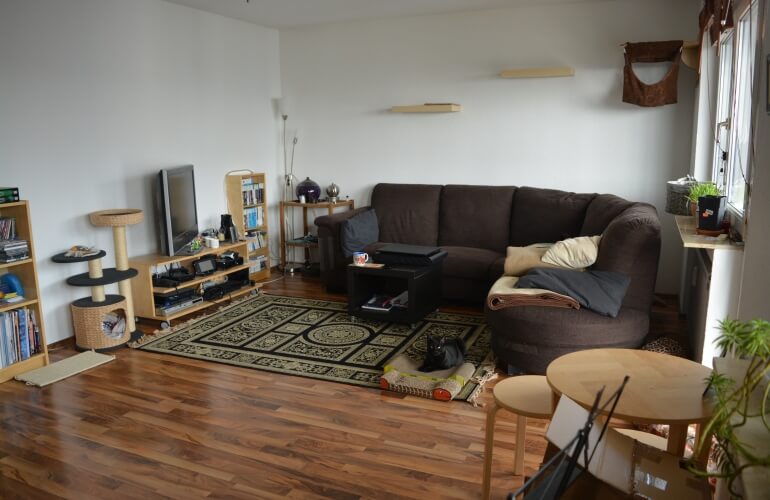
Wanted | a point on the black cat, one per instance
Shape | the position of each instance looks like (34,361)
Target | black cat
(442,353)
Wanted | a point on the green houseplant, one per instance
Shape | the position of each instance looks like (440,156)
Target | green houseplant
(699,190)
(702,189)
(739,403)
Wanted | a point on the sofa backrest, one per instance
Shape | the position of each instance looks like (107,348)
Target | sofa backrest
(600,213)
(408,213)
(547,215)
(630,244)
(476,216)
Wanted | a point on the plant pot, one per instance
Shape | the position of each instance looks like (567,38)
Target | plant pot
(711,212)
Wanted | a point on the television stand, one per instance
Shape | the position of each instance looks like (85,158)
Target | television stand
(147,265)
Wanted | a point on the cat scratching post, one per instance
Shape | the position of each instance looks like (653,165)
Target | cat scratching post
(118,219)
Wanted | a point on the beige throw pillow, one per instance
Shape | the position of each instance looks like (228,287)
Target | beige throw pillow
(519,260)
(573,253)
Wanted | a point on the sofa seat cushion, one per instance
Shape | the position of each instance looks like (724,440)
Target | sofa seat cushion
(472,263)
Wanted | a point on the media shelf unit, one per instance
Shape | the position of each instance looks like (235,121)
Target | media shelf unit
(246,193)
(26,271)
(147,265)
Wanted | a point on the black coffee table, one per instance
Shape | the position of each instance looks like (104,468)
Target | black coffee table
(423,285)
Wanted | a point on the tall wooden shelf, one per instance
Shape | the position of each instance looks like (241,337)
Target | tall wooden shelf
(237,185)
(26,271)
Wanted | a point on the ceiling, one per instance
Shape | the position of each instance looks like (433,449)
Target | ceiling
(295,13)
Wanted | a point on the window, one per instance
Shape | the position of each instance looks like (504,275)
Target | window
(732,151)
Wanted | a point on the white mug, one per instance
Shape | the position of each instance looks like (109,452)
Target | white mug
(360,258)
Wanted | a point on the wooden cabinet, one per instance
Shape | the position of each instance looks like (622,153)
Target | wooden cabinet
(247,203)
(144,292)
(26,271)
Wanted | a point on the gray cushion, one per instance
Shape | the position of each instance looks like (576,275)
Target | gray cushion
(599,291)
(358,232)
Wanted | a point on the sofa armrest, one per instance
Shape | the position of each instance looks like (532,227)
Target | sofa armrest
(334,221)
(631,245)
(333,261)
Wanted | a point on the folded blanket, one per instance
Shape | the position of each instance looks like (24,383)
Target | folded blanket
(599,291)
(504,294)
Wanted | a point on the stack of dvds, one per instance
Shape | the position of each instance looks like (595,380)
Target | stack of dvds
(13,250)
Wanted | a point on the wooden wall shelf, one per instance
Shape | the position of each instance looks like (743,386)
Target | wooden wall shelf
(538,72)
(427,108)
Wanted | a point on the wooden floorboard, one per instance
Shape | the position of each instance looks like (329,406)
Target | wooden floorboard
(151,426)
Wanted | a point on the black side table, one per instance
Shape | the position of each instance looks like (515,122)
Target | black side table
(423,285)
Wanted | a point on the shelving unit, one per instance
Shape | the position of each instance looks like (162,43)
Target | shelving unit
(26,271)
(291,240)
(147,265)
(246,193)
(554,72)
(427,108)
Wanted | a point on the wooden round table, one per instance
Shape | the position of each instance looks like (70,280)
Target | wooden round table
(662,389)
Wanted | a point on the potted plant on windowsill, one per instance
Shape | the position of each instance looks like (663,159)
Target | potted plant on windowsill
(708,205)
(740,425)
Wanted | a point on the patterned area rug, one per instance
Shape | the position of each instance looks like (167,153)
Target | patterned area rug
(317,339)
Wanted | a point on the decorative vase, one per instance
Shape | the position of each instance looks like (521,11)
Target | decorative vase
(333,191)
(310,189)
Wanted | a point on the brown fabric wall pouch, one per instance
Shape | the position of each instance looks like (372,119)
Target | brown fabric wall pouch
(663,92)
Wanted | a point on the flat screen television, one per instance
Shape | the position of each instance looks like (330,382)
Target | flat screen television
(177,210)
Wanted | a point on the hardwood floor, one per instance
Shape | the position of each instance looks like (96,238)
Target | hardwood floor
(157,426)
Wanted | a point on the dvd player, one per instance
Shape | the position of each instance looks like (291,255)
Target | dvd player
(169,310)
(175,297)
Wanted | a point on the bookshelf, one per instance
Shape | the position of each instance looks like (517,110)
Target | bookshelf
(26,271)
(247,203)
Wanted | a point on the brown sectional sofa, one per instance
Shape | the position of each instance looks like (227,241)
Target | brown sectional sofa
(475,224)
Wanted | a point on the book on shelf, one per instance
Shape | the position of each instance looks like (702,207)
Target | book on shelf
(401,301)
(11,298)
(253,217)
(19,336)
(13,250)
(253,192)
(256,240)
(379,302)
(7,228)
(9,194)
(257,263)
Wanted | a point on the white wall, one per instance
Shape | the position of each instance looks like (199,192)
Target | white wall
(567,133)
(96,96)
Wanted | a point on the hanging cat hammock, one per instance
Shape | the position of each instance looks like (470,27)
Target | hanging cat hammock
(662,92)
